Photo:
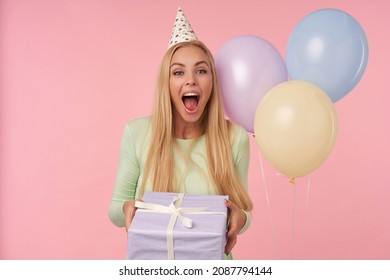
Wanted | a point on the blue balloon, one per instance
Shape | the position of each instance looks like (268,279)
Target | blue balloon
(328,48)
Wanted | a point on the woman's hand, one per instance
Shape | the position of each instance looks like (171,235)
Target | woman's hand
(129,210)
(237,221)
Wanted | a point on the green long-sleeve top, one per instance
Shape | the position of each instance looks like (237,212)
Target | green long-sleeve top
(191,172)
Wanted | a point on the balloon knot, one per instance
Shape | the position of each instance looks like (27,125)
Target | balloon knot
(292,180)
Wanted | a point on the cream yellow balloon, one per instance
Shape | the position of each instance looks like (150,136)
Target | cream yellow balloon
(295,127)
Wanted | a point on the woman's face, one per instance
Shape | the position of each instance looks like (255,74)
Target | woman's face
(190,84)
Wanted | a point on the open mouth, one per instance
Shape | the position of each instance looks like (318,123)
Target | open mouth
(190,101)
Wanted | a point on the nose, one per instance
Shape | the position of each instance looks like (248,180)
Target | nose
(191,80)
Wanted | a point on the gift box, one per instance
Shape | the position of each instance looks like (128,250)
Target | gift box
(178,226)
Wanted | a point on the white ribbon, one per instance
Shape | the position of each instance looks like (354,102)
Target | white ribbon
(176,213)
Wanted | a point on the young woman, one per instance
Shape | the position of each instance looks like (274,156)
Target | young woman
(187,145)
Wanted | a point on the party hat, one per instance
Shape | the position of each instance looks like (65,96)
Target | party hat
(182,30)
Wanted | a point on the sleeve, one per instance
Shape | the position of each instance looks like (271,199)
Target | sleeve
(241,162)
(126,179)
(247,222)
(241,155)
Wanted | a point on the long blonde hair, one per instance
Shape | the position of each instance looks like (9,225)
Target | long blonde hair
(159,164)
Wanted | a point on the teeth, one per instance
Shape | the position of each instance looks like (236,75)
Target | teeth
(190,94)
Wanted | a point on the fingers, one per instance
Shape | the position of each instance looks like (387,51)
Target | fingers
(231,242)
(229,204)
(129,217)
(129,210)
(235,224)
(234,216)
(231,237)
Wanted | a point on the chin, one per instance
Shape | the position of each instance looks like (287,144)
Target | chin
(191,118)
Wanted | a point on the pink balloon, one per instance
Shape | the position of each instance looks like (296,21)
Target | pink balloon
(247,68)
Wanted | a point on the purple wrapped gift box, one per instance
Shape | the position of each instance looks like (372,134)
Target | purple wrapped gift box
(149,236)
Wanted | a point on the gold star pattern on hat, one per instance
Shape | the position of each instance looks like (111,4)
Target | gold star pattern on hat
(182,30)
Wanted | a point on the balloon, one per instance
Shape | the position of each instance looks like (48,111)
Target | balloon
(295,127)
(329,49)
(247,67)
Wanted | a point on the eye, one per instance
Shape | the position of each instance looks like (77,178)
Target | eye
(177,73)
(202,71)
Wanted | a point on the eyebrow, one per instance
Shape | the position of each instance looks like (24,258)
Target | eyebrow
(196,64)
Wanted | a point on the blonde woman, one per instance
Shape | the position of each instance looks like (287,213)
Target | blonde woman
(187,145)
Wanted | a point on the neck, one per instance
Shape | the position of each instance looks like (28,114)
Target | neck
(183,130)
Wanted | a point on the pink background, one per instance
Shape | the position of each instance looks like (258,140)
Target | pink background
(72,74)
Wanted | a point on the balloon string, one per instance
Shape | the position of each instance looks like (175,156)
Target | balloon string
(307,205)
(269,207)
(294,214)
(308,190)
(293,226)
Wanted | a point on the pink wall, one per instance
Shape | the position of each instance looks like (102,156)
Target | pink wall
(73,72)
